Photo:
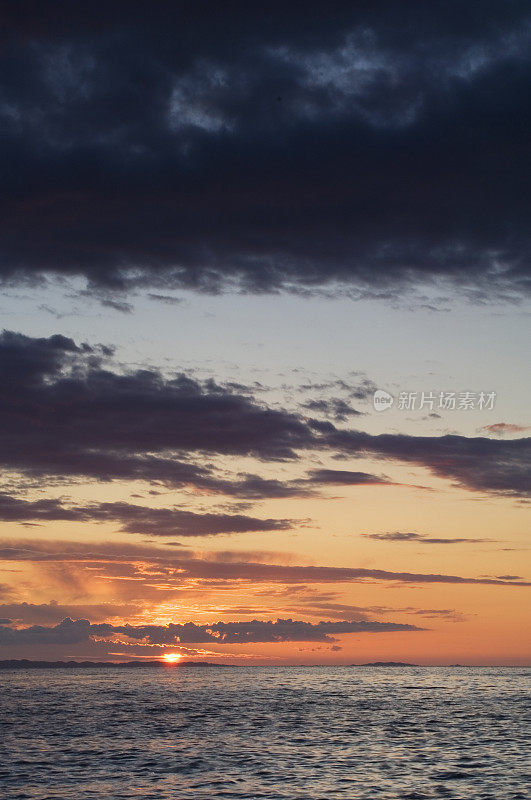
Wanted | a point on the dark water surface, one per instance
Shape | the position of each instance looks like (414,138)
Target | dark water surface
(265,732)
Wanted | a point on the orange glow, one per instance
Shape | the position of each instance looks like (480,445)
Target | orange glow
(171,658)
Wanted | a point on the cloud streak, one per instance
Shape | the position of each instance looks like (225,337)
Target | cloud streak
(177,568)
(478,464)
(137,519)
(419,538)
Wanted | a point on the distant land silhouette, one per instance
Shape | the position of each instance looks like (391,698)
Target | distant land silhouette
(23,663)
(386,664)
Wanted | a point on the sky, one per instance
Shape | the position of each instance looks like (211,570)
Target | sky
(226,233)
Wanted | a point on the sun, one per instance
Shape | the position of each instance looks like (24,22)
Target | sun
(171,658)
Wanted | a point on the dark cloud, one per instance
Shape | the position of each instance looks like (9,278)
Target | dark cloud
(13,509)
(165,298)
(67,632)
(402,536)
(374,144)
(334,408)
(170,522)
(283,630)
(248,486)
(360,389)
(255,631)
(138,519)
(344,477)
(363,390)
(117,305)
(479,464)
(53,612)
(65,412)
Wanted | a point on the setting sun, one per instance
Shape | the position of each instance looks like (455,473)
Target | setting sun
(171,658)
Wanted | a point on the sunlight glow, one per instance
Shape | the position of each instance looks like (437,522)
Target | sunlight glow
(171,658)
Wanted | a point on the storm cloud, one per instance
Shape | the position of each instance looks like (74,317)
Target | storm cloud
(370,145)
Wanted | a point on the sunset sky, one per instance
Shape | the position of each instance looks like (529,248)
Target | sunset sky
(223,231)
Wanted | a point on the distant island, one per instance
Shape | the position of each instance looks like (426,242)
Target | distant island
(23,663)
(386,664)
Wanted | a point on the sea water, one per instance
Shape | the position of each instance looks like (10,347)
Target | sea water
(265,732)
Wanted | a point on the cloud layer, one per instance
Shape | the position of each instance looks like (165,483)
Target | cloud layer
(67,412)
(156,566)
(283,630)
(377,145)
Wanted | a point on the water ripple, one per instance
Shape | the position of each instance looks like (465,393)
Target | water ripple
(253,733)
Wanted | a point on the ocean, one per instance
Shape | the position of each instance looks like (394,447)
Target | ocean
(265,732)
